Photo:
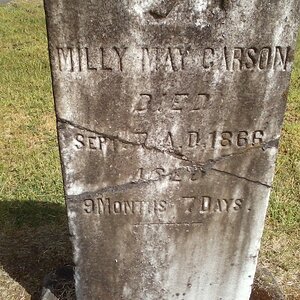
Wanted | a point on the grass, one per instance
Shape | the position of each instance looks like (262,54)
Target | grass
(33,233)
(28,141)
(32,207)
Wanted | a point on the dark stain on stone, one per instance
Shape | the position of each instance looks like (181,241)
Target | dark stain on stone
(271,144)
(224,4)
(163,10)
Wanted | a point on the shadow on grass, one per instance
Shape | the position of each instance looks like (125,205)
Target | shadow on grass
(34,243)
(34,240)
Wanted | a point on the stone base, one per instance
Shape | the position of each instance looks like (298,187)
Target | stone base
(265,286)
(59,285)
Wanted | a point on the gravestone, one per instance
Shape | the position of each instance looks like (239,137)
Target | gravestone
(169,115)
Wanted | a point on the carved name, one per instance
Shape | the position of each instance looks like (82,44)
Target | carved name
(171,59)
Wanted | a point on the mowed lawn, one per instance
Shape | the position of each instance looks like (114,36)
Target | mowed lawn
(33,231)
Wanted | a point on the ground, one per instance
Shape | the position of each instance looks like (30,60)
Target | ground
(34,234)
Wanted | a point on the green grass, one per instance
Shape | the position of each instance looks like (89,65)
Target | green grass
(28,143)
(31,190)
(285,204)
(33,232)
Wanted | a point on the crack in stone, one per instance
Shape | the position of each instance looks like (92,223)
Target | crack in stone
(114,189)
(203,166)
(242,177)
(108,136)
(132,184)
(174,153)
(264,146)
(136,184)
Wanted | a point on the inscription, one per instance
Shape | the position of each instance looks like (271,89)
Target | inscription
(189,140)
(177,102)
(193,139)
(92,143)
(91,59)
(182,207)
(241,138)
(208,204)
(154,59)
(107,206)
(98,143)
(171,59)
(240,58)
(160,172)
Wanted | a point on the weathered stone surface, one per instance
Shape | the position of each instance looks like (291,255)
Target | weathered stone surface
(59,285)
(169,116)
